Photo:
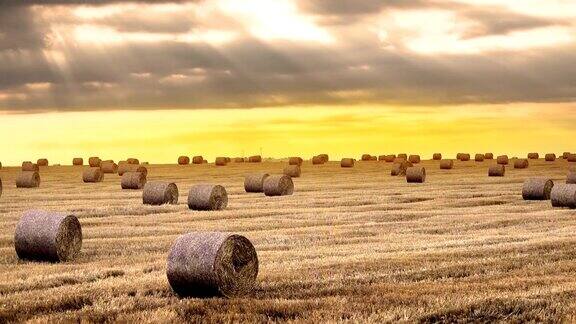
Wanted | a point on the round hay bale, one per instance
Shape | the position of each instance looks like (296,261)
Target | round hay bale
(47,236)
(571,158)
(550,157)
(109,167)
(347,163)
(437,156)
(94,161)
(239,160)
(92,175)
(382,158)
(488,156)
(415,159)
(278,185)
(29,166)
(255,159)
(42,162)
(390,158)
(220,161)
(563,195)
(133,180)
(399,169)
(324,157)
(207,197)
(125,167)
(446,164)
(479,158)
(183,160)
(317,160)
(537,189)
(533,156)
(521,164)
(160,193)
(416,175)
(373,158)
(366,157)
(293,171)
(502,159)
(77,161)
(28,179)
(132,161)
(255,182)
(208,264)
(403,156)
(497,170)
(198,159)
(464,157)
(570,178)
(295,161)
(565,155)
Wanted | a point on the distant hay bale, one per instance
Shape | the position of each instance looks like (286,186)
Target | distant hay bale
(403,156)
(373,158)
(446,164)
(563,195)
(278,185)
(197,159)
(317,160)
(207,197)
(94,161)
(47,236)
(537,189)
(437,156)
(382,158)
(160,193)
(77,161)
(255,182)
(415,159)
(255,159)
(565,155)
(210,264)
(220,161)
(324,157)
(533,156)
(502,159)
(29,166)
(42,162)
(464,157)
(571,177)
(347,163)
(133,180)
(399,169)
(293,171)
(92,175)
(550,157)
(488,156)
(479,158)
(183,160)
(109,167)
(28,179)
(521,164)
(390,158)
(125,167)
(497,170)
(132,161)
(238,160)
(571,158)
(295,160)
(366,157)
(416,175)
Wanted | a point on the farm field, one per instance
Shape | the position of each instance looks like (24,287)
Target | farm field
(350,245)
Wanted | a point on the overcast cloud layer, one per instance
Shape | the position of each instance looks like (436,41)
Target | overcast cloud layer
(88,55)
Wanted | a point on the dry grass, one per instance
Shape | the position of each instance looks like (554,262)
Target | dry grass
(350,244)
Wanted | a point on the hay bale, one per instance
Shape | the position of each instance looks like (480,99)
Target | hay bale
(403,156)
(255,159)
(207,197)
(496,170)
(533,156)
(366,157)
(220,161)
(47,236)
(571,177)
(399,169)
(563,195)
(382,158)
(255,182)
(415,159)
(324,157)
(537,189)
(295,160)
(464,157)
(502,159)
(347,163)
(521,164)
(77,161)
(209,264)
(238,160)
(92,175)
(550,157)
(109,167)
(416,175)
(565,155)
(42,162)
(125,167)
(278,185)
(293,171)
(29,166)
(571,158)
(317,160)
(160,193)
(479,158)
(373,158)
(437,156)
(132,161)
(94,161)
(183,160)
(488,156)
(28,179)
(198,159)
(133,180)
(390,158)
(446,164)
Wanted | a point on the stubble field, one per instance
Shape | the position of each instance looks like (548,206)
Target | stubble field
(349,245)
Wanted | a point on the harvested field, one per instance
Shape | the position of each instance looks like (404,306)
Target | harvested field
(350,244)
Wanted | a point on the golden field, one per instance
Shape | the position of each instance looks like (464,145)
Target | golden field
(349,245)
